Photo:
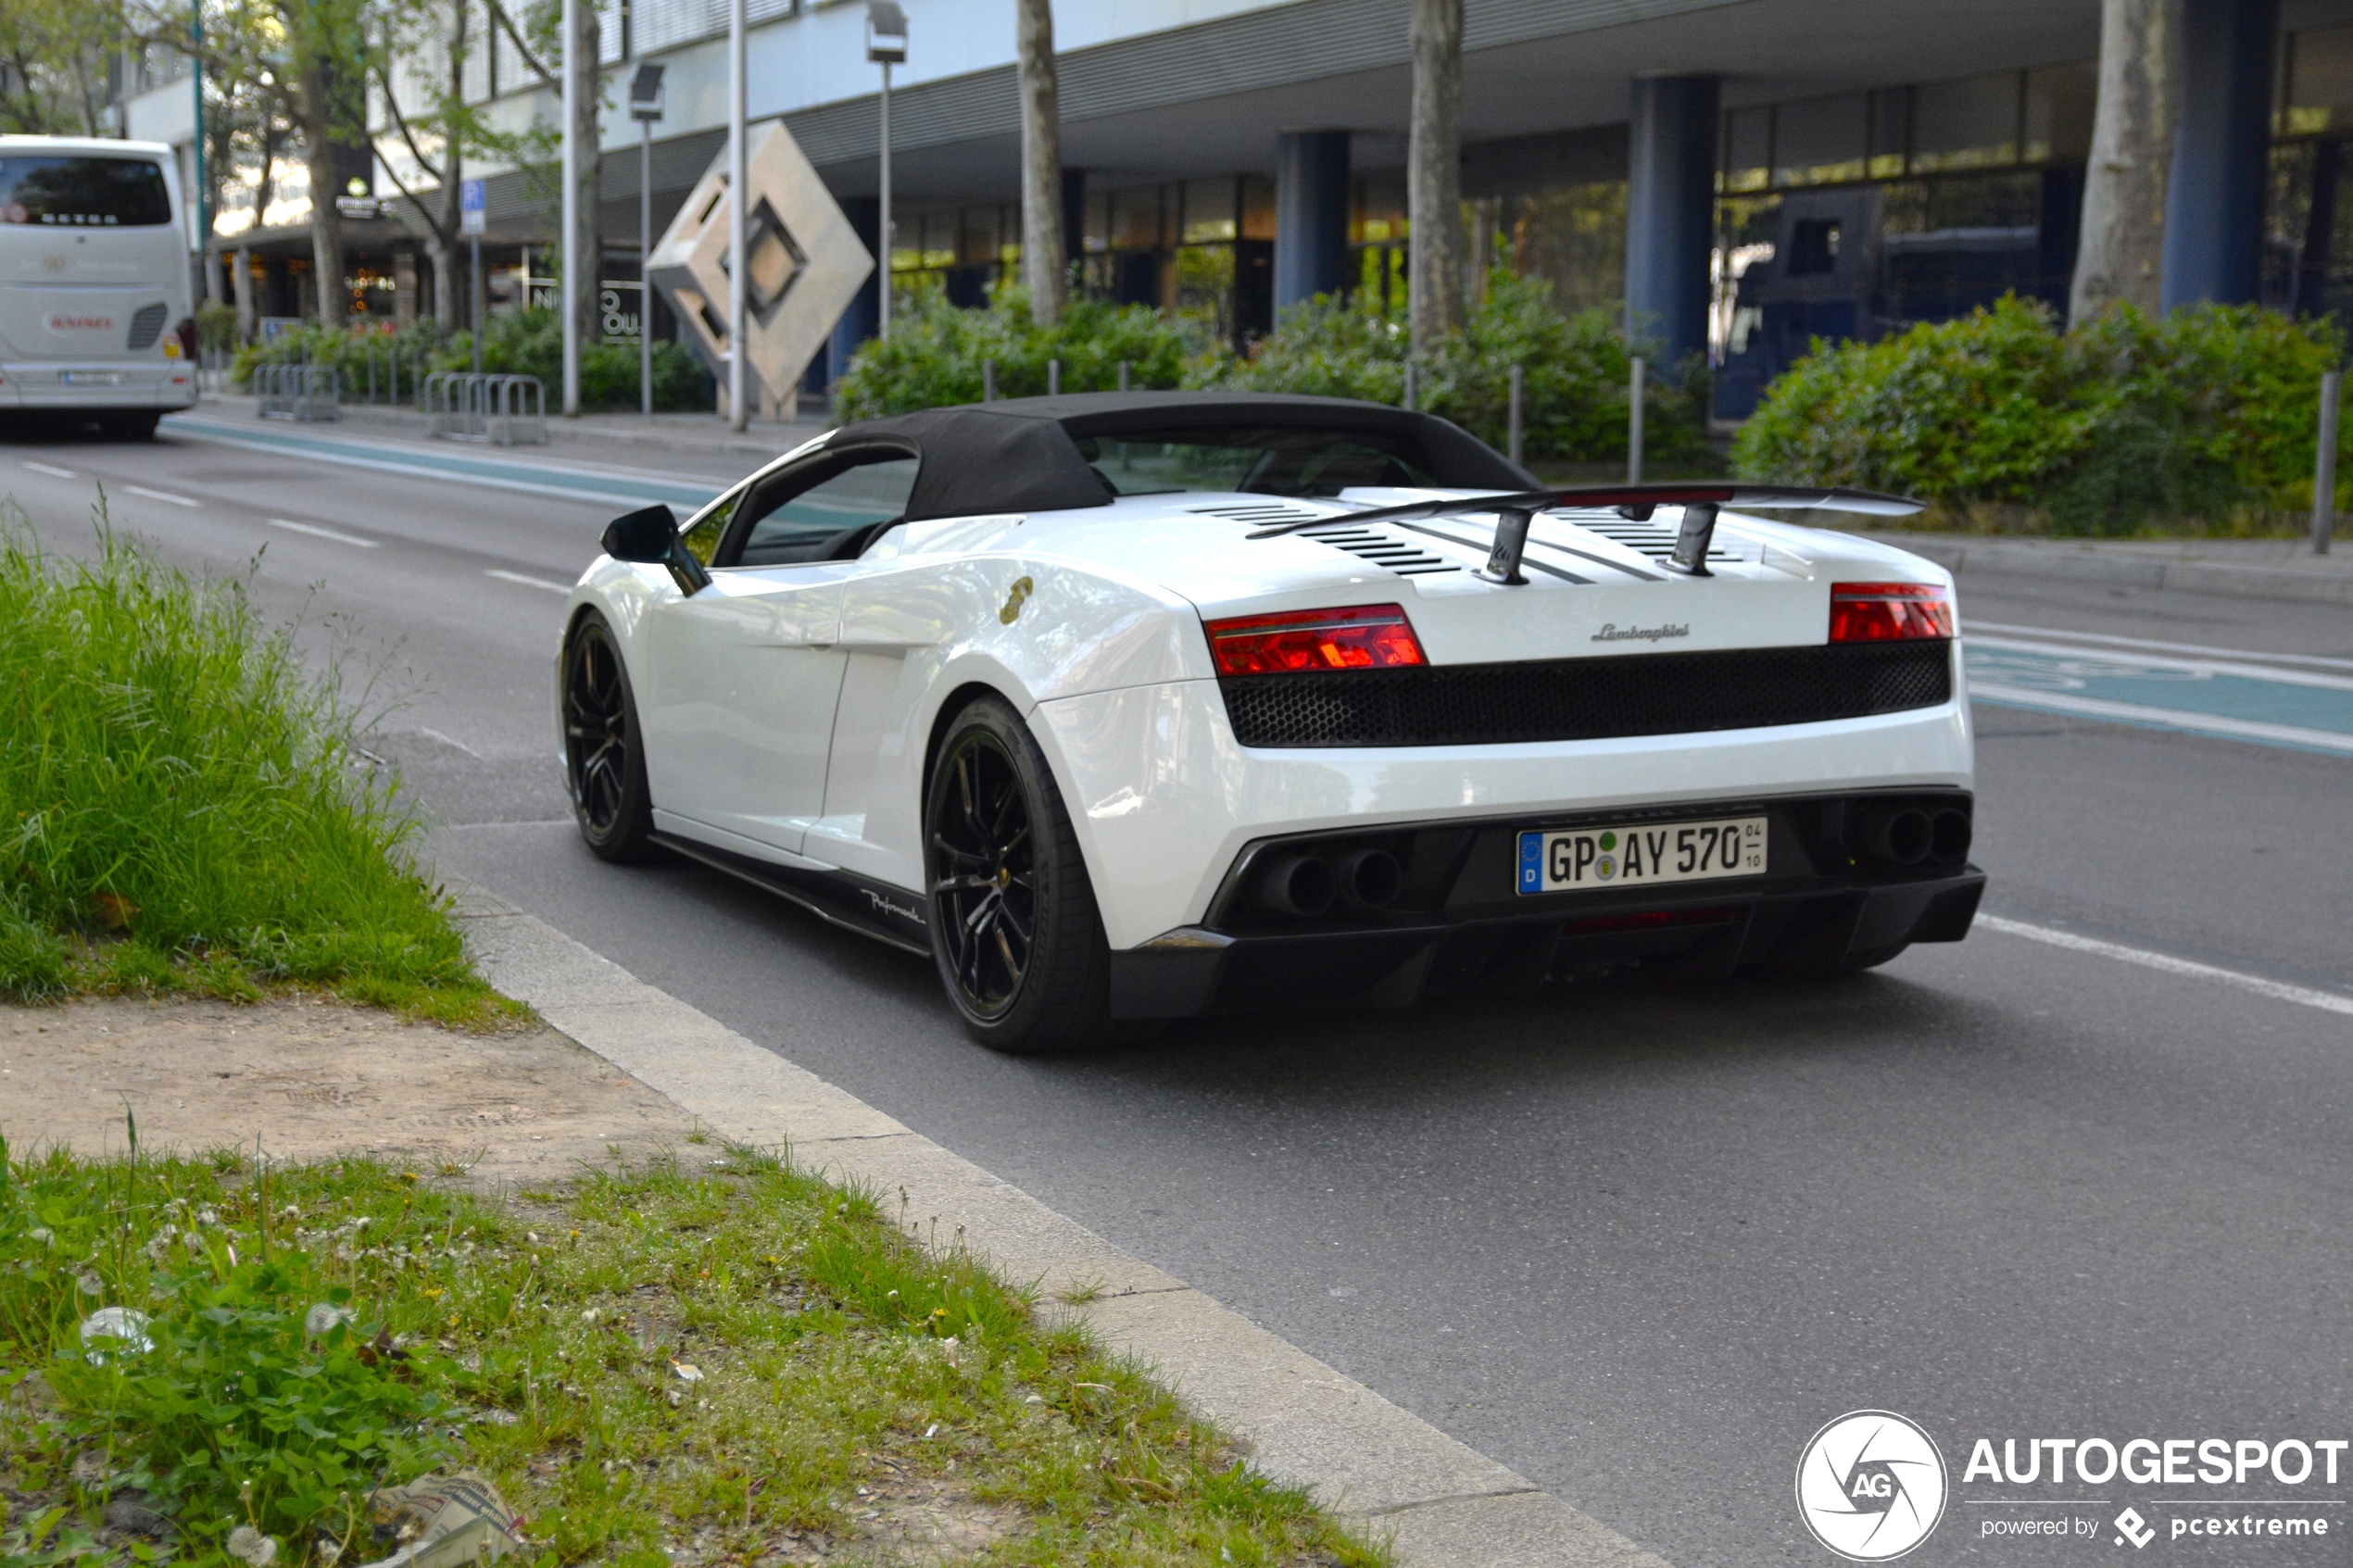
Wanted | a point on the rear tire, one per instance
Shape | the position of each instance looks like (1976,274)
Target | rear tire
(604,754)
(130,427)
(1014,929)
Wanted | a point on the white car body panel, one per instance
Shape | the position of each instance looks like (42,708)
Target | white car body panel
(1104,653)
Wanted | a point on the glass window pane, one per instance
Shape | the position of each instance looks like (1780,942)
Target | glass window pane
(1135,218)
(99,193)
(1748,148)
(1891,132)
(2059,112)
(979,227)
(1819,141)
(1209,210)
(1098,235)
(1258,207)
(810,525)
(1284,461)
(1971,123)
(2321,83)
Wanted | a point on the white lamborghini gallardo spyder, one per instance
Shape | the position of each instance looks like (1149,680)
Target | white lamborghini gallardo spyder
(1136,707)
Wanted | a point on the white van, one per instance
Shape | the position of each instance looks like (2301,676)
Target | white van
(97,319)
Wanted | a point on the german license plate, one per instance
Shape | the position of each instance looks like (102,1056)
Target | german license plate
(91,378)
(1640,855)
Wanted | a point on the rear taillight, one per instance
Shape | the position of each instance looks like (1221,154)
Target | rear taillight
(1889,612)
(1360,637)
(182,339)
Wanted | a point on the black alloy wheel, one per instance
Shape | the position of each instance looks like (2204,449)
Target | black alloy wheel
(603,761)
(1015,929)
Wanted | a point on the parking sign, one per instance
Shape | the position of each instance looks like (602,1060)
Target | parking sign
(470,205)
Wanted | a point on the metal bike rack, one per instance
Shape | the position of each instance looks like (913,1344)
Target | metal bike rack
(502,410)
(298,391)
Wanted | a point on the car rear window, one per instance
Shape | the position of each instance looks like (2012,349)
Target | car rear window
(1259,459)
(84,193)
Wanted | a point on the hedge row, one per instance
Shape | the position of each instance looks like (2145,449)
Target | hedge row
(529,342)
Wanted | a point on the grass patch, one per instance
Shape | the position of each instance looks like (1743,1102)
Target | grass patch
(735,1364)
(184,807)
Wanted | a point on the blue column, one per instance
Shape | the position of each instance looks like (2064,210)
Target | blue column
(864,312)
(1670,213)
(2222,154)
(1310,215)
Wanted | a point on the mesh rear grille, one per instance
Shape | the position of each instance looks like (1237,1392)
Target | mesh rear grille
(1587,698)
(146,326)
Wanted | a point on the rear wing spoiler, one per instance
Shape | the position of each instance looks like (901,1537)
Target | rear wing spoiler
(1699,501)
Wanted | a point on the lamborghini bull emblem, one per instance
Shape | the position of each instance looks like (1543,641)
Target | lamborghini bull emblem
(1015,600)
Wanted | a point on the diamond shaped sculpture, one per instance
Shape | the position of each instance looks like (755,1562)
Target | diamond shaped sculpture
(803,261)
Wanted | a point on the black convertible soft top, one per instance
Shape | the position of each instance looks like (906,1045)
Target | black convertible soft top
(1021,454)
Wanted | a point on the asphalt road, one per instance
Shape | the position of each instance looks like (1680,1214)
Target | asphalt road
(1637,1242)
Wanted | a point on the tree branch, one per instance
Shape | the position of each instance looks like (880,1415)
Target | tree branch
(392,101)
(499,14)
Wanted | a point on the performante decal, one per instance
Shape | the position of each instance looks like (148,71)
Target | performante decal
(1014,601)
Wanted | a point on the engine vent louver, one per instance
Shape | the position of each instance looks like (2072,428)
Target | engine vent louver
(1587,698)
(147,326)
(1260,513)
(1648,538)
(1383,550)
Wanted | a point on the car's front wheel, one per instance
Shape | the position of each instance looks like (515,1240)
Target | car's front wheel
(604,761)
(1015,929)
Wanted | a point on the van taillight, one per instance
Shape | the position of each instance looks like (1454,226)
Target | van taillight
(182,343)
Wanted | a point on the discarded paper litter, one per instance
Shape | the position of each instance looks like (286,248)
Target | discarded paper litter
(444,1522)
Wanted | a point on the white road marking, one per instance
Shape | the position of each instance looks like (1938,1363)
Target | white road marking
(162,495)
(2166,717)
(50,469)
(447,740)
(529,582)
(2279,991)
(318,533)
(2219,667)
(2114,641)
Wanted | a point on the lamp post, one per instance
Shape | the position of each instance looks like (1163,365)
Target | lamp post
(886,47)
(571,251)
(739,216)
(644,107)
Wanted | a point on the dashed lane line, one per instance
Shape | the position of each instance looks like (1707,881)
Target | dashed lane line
(316,531)
(2278,990)
(529,582)
(162,495)
(50,469)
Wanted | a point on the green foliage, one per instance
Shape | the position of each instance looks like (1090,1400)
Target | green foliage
(529,342)
(217,327)
(174,787)
(2115,425)
(937,352)
(1579,371)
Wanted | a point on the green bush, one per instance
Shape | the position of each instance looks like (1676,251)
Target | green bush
(182,806)
(937,352)
(216,326)
(2113,426)
(529,342)
(1578,373)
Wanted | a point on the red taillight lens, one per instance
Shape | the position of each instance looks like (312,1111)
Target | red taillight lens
(1360,637)
(1887,612)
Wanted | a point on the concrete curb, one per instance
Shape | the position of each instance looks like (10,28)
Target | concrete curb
(600,430)
(2111,566)
(1444,1504)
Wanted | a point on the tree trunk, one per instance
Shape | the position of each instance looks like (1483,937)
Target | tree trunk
(241,286)
(581,52)
(326,227)
(1044,261)
(2120,253)
(443,245)
(1434,177)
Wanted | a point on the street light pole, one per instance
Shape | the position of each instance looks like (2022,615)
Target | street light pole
(885,46)
(739,215)
(571,251)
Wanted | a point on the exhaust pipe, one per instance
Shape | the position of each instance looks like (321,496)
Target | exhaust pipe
(1950,841)
(1298,884)
(1901,836)
(1371,879)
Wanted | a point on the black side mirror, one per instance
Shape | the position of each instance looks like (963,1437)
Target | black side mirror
(649,536)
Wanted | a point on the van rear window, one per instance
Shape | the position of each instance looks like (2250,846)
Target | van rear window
(84,193)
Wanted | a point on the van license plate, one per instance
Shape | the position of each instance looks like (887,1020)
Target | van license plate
(1640,855)
(91,378)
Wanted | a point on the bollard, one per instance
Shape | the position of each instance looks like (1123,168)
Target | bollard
(1411,390)
(1519,398)
(2324,474)
(1634,426)
(1123,375)
(1053,378)
(988,381)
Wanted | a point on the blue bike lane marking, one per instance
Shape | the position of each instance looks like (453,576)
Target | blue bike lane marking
(2259,704)
(541,479)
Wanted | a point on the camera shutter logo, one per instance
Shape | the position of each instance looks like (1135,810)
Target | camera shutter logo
(1870,1486)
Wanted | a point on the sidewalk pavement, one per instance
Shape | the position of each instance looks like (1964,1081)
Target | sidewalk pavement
(2251,568)
(696,433)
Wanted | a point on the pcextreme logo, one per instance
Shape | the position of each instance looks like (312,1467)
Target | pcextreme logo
(1870,1486)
